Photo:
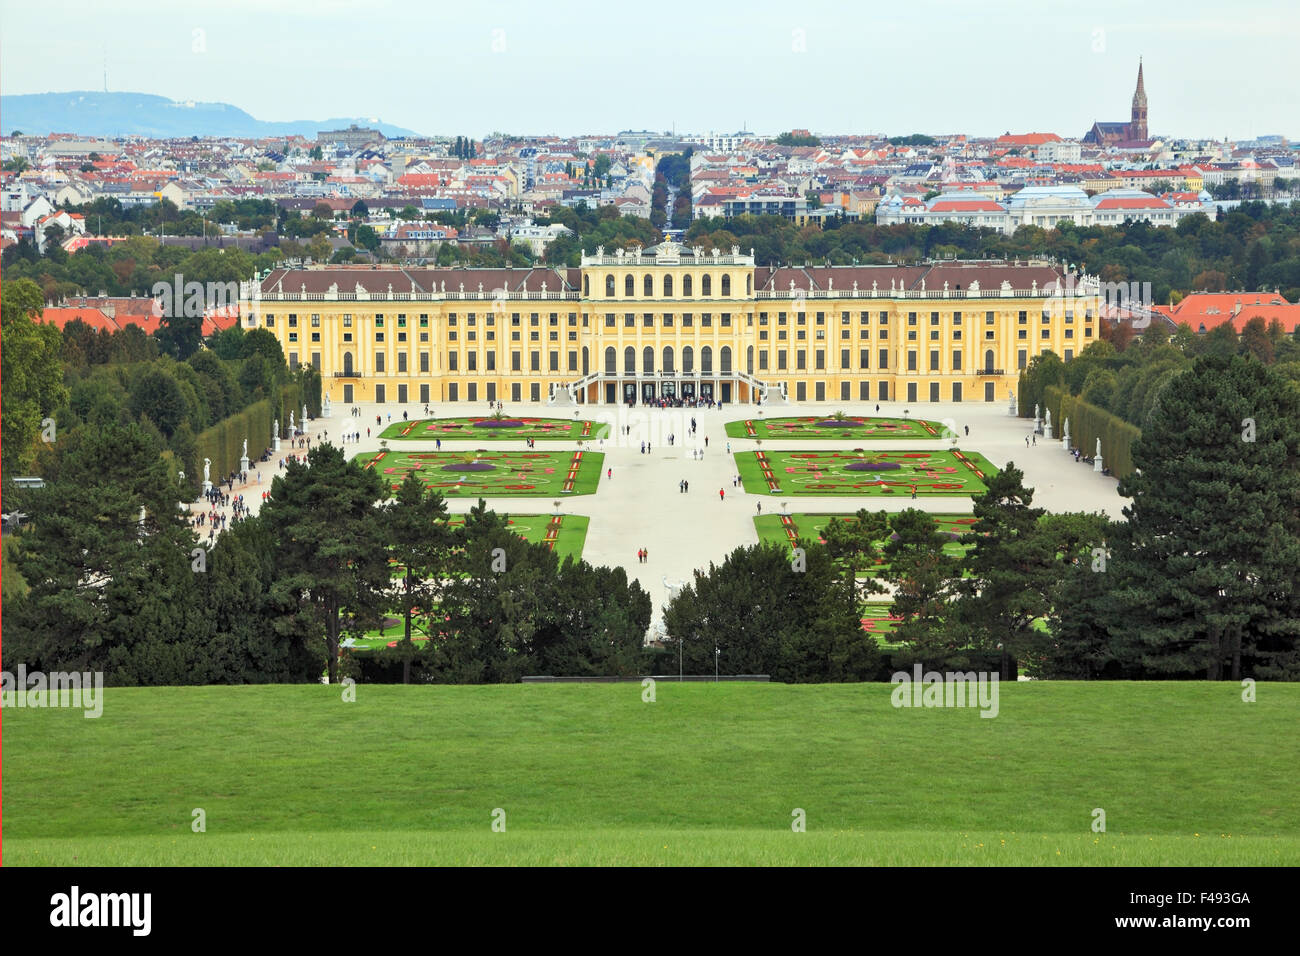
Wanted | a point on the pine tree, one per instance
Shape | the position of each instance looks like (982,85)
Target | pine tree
(1207,582)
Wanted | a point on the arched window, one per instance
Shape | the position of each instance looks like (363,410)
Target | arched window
(649,284)
(611,361)
(668,286)
(648,360)
(706,285)
(988,360)
(706,360)
(629,287)
(725,360)
(347,363)
(686,287)
(668,359)
(688,360)
(586,361)
(749,284)
(609,287)
(586,287)
(749,360)
(629,361)
(726,286)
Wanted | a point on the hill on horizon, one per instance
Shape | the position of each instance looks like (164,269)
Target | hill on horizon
(90,113)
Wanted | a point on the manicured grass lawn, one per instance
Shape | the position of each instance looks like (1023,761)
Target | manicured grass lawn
(1186,772)
(786,529)
(931,473)
(489,429)
(825,427)
(878,620)
(496,474)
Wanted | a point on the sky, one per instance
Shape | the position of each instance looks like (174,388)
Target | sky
(566,67)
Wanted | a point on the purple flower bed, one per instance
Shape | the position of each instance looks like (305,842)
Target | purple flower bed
(501,423)
(837,423)
(469,466)
(872,466)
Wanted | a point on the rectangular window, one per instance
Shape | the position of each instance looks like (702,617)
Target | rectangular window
(801,360)
(515,358)
(452,392)
(424,362)
(762,361)
(471,392)
(379,320)
(554,362)
(687,320)
(401,362)
(781,363)
(911,361)
(884,360)
(934,318)
(706,320)
(956,361)
(379,394)
(956,319)
(491,361)
(648,320)
(1023,318)
(535,361)
(315,320)
(315,361)
(864,358)
(609,320)
(453,362)
(1021,358)
(629,320)
(819,359)
(573,361)
(846,358)
(471,362)
(934,360)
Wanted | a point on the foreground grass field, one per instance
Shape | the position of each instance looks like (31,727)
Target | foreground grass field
(708,774)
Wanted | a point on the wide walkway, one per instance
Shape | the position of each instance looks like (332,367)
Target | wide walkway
(642,506)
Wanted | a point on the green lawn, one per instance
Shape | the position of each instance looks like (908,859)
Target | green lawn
(785,530)
(826,427)
(709,774)
(494,474)
(888,473)
(490,429)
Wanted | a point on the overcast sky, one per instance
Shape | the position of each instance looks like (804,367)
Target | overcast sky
(573,66)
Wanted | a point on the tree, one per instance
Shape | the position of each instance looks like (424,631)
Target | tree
(1205,582)
(1255,340)
(925,580)
(855,544)
(111,587)
(330,556)
(414,527)
(322,210)
(31,373)
(367,238)
(360,210)
(764,616)
(1013,568)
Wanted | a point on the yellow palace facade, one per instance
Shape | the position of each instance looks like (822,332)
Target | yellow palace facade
(674,322)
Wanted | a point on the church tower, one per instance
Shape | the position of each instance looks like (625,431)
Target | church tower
(1138,121)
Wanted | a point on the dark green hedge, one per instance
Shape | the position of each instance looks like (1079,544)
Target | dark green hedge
(1088,423)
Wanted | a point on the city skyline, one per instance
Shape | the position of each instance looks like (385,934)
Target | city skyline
(837,70)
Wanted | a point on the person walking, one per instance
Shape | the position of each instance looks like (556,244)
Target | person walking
(688,487)
(760,507)
(645,553)
(728,448)
(968,431)
(1026,441)
(1035,438)
(706,441)
(609,472)
(722,494)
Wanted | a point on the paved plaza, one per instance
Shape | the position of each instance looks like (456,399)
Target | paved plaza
(642,505)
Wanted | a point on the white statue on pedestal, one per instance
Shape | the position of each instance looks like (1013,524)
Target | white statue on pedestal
(245,448)
(293,429)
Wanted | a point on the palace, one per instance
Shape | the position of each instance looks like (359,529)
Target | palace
(672,321)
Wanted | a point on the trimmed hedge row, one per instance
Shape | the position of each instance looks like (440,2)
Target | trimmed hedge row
(1088,423)
(224,441)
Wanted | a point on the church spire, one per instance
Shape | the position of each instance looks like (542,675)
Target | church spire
(1137,128)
